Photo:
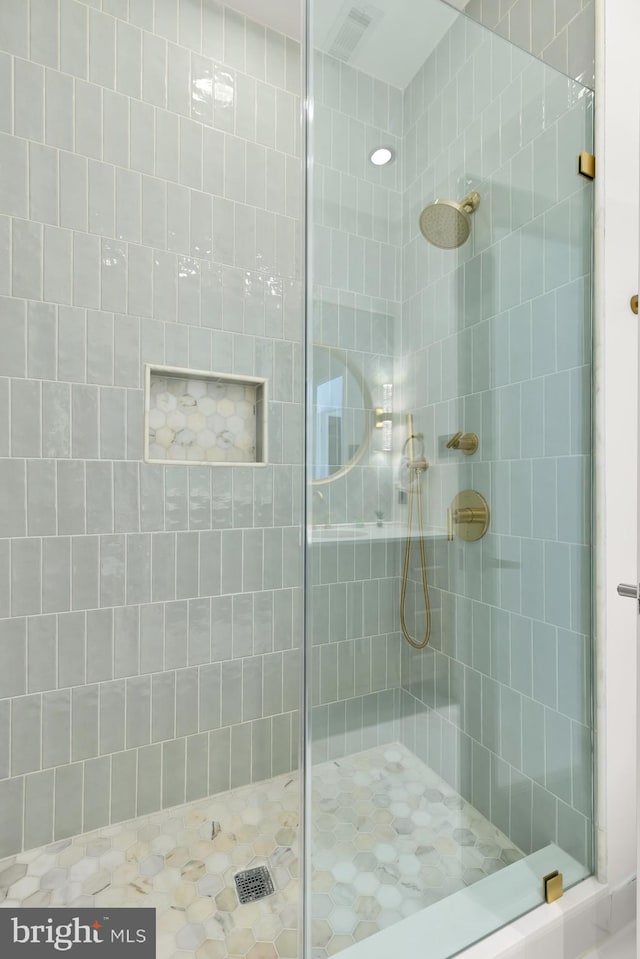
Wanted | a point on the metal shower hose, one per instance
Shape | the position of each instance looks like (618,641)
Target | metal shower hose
(415,489)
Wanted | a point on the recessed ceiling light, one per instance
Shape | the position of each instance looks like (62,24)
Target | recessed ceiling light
(381,155)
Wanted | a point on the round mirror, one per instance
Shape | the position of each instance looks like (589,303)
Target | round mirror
(341,417)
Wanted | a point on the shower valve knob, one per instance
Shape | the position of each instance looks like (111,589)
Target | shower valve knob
(468,516)
(466,442)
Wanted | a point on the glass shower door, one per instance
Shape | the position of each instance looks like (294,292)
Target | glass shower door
(449,335)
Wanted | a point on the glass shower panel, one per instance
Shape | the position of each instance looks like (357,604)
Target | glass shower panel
(450,726)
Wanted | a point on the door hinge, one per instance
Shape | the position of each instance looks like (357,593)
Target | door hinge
(587,165)
(552,886)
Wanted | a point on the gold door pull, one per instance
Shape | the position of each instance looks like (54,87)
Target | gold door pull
(633,303)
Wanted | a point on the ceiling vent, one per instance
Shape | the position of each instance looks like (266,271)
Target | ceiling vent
(349,30)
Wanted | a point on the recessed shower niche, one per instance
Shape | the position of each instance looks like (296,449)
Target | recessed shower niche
(204,418)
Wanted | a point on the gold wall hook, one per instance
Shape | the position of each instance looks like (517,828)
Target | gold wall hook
(466,442)
(468,516)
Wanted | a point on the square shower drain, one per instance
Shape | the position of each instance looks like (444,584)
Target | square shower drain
(253,884)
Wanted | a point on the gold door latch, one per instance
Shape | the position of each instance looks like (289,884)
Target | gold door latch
(552,886)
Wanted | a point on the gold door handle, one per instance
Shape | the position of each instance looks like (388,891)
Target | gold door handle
(634,304)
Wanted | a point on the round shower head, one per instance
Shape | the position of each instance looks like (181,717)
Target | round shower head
(447,224)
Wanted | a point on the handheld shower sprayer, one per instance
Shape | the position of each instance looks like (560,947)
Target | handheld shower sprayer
(416,465)
(421,463)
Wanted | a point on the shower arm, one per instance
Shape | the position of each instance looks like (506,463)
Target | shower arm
(471,202)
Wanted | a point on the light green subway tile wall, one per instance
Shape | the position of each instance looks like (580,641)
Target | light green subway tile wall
(563,35)
(356,274)
(145,611)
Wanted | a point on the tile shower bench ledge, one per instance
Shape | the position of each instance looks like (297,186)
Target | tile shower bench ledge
(367,533)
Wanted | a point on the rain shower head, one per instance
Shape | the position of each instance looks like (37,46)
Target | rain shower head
(447,224)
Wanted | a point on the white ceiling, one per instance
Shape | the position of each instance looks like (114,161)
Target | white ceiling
(396,45)
(392,49)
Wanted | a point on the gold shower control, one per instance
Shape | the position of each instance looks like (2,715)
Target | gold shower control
(467,442)
(468,516)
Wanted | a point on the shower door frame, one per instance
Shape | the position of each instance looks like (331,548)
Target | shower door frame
(306,765)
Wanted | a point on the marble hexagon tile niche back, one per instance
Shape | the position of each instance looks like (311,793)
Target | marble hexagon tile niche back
(204,418)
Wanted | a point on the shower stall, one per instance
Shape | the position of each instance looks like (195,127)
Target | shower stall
(295,483)
(446,781)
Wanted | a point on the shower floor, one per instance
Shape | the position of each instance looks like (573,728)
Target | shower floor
(389,838)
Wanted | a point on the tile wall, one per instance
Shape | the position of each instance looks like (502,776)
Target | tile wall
(560,32)
(356,248)
(149,212)
(203,420)
(355,651)
(356,243)
(496,340)
(448,128)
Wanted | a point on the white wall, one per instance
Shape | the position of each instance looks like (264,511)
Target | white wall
(618,108)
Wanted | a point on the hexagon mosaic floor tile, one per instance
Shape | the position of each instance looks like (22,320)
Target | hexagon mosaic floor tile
(389,838)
